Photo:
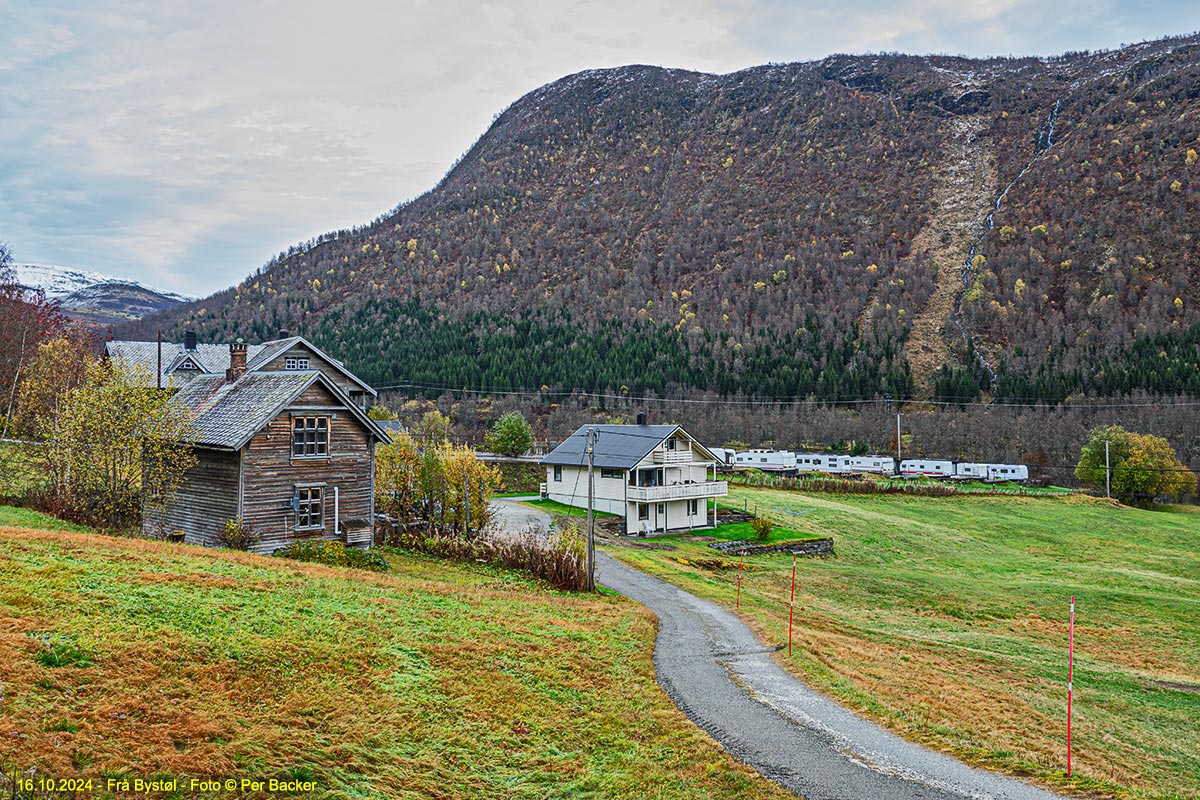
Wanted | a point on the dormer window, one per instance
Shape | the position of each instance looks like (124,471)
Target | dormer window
(295,363)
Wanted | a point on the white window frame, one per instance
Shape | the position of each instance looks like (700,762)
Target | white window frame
(295,362)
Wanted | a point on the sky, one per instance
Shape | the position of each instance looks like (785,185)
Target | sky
(183,144)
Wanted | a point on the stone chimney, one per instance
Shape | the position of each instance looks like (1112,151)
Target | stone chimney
(237,361)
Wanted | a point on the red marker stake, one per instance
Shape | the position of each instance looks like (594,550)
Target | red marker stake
(1070,680)
(792,604)
(741,558)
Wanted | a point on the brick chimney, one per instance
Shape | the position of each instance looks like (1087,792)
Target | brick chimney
(237,361)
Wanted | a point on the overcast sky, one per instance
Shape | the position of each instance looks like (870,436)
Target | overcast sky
(184,144)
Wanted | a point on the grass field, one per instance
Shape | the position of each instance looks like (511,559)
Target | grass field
(946,619)
(130,658)
(562,509)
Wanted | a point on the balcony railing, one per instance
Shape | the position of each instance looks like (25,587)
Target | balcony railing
(673,456)
(678,491)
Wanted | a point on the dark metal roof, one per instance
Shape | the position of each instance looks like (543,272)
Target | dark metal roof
(617,446)
(229,414)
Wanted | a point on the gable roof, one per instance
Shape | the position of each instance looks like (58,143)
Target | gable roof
(229,414)
(617,446)
(212,358)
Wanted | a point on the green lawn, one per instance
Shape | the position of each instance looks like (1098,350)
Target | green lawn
(945,618)
(123,657)
(562,510)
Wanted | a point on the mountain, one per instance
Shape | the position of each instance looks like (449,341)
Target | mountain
(860,226)
(93,296)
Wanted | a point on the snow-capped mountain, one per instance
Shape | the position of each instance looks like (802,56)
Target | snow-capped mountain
(60,282)
(94,295)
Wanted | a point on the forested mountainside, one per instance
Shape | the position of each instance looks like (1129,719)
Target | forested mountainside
(854,227)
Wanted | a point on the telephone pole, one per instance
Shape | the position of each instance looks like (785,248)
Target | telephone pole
(590,585)
(898,470)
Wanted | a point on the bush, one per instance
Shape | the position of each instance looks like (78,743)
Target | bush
(762,528)
(335,554)
(511,435)
(559,562)
(239,535)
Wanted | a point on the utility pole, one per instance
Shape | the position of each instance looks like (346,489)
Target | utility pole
(160,358)
(467,507)
(590,585)
(898,470)
(1107,472)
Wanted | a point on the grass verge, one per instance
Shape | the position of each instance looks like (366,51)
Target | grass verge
(946,620)
(128,658)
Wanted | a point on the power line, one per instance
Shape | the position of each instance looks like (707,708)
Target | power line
(778,401)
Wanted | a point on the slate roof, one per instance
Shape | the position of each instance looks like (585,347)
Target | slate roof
(617,446)
(214,358)
(229,414)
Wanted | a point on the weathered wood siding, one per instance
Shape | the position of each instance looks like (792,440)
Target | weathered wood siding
(271,474)
(330,371)
(207,499)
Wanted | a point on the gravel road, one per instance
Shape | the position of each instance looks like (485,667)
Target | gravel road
(514,519)
(725,680)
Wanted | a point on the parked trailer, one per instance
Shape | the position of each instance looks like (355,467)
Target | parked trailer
(882,465)
(822,462)
(934,468)
(724,456)
(766,460)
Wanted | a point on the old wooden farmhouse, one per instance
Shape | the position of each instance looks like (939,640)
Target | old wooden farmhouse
(655,476)
(281,437)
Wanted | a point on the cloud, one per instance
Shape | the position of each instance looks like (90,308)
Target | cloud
(184,144)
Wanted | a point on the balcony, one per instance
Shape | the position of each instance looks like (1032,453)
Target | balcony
(673,456)
(678,491)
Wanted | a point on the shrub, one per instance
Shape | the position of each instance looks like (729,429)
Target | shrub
(762,528)
(335,554)
(239,535)
(511,435)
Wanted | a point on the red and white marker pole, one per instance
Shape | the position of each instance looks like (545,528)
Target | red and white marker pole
(741,558)
(1070,679)
(792,605)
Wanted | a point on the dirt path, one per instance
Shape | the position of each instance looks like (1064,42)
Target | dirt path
(726,681)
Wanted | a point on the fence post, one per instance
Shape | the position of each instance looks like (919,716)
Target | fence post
(792,605)
(739,589)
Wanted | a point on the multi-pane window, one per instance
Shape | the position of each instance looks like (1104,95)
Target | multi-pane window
(310,436)
(612,473)
(295,363)
(557,472)
(309,509)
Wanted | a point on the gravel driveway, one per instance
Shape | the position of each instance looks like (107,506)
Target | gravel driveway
(513,519)
(725,680)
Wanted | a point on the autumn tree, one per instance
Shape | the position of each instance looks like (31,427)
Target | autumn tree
(1141,466)
(115,449)
(444,488)
(28,320)
(511,435)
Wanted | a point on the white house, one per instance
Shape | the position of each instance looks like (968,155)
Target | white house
(658,477)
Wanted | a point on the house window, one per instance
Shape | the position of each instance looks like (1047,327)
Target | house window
(295,363)
(643,511)
(670,444)
(611,473)
(310,437)
(309,508)
(558,473)
(662,509)
(693,507)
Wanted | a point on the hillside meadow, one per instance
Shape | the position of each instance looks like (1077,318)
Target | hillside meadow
(945,619)
(127,658)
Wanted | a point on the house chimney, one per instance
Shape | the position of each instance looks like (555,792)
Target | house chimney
(641,418)
(283,334)
(237,361)
(189,340)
